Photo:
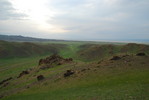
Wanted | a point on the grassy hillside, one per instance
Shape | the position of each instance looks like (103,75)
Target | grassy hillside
(95,76)
(26,49)
(19,38)
(90,52)
(123,79)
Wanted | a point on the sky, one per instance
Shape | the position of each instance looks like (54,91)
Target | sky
(75,19)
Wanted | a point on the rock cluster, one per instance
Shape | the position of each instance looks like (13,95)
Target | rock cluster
(54,59)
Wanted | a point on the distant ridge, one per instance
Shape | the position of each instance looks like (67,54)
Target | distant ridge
(19,38)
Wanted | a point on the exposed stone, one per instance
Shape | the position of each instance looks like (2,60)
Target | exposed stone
(141,54)
(115,58)
(68,73)
(40,77)
(52,60)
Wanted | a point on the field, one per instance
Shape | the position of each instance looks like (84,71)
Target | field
(95,77)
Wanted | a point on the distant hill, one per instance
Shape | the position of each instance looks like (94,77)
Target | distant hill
(96,51)
(20,38)
(26,49)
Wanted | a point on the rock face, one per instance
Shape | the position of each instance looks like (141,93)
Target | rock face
(23,73)
(40,77)
(54,59)
(68,73)
(115,58)
(141,54)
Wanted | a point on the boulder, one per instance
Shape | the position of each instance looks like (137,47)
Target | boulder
(40,77)
(141,54)
(115,58)
(68,73)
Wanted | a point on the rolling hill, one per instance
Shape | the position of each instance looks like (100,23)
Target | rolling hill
(112,79)
(76,71)
(26,49)
(19,38)
(92,52)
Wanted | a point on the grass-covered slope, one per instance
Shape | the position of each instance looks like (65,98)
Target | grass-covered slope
(123,79)
(90,52)
(26,49)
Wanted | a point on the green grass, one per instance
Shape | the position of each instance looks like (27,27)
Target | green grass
(13,66)
(130,85)
(117,81)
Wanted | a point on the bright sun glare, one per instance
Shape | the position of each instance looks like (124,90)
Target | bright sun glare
(37,11)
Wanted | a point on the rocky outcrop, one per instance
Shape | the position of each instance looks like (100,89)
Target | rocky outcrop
(53,60)
(68,73)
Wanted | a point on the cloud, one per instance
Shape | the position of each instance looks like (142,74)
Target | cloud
(104,18)
(8,12)
(78,19)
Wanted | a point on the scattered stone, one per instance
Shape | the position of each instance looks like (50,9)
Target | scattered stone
(141,54)
(68,73)
(115,58)
(2,82)
(23,73)
(40,77)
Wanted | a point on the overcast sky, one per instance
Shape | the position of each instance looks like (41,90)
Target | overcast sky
(76,19)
